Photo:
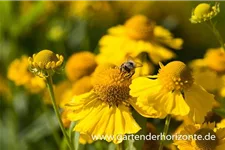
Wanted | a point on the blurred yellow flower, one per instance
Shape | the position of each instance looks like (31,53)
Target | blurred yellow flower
(45,63)
(80,86)
(138,35)
(79,65)
(93,11)
(172,91)
(107,106)
(18,72)
(210,71)
(5,91)
(204,12)
(216,143)
(56,33)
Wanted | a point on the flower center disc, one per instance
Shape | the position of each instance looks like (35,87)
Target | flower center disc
(111,86)
(205,144)
(45,56)
(175,76)
(139,28)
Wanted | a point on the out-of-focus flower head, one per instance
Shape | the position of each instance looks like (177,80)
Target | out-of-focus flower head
(5,91)
(59,89)
(79,65)
(81,86)
(204,12)
(172,91)
(138,35)
(56,33)
(94,11)
(19,73)
(215,142)
(210,70)
(106,105)
(45,63)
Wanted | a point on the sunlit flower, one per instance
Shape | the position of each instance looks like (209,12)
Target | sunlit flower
(19,73)
(107,106)
(204,12)
(209,72)
(172,91)
(138,35)
(79,65)
(45,63)
(216,143)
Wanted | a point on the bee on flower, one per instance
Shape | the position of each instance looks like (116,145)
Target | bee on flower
(171,91)
(106,105)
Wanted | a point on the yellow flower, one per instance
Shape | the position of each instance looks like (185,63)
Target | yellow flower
(79,65)
(209,72)
(45,63)
(19,73)
(106,106)
(81,86)
(138,35)
(204,12)
(56,33)
(172,91)
(221,124)
(94,11)
(216,143)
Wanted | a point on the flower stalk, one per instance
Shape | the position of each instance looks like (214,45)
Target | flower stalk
(165,131)
(51,92)
(216,33)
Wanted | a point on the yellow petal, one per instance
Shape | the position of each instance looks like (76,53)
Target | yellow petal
(175,104)
(199,101)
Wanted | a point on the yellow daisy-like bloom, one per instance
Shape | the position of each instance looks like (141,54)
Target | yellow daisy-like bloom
(217,143)
(204,12)
(45,63)
(172,91)
(106,106)
(19,73)
(79,65)
(210,71)
(138,35)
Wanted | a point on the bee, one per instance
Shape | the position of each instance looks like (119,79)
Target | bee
(128,67)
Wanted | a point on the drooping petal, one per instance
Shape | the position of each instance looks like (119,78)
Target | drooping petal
(175,104)
(199,101)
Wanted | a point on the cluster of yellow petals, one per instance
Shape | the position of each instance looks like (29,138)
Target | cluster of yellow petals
(45,63)
(19,73)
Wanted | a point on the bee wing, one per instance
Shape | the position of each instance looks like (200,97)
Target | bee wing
(137,63)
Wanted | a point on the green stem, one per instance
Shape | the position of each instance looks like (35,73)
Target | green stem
(119,146)
(165,131)
(54,133)
(217,34)
(51,92)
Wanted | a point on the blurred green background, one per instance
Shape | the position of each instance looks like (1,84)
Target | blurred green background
(67,27)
